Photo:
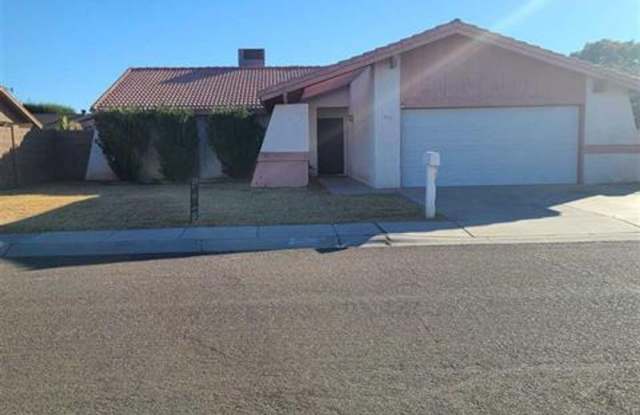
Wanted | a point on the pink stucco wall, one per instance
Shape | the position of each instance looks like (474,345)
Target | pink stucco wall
(281,169)
(458,72)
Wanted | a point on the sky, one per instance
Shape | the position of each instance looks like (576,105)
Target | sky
(70,51)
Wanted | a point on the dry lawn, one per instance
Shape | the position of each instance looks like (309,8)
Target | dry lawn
(83,206)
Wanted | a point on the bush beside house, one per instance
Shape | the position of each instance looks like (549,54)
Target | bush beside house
(126,137)
(176,141)
(236,137)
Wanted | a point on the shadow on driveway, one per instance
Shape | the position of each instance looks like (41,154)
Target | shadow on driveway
(487,205)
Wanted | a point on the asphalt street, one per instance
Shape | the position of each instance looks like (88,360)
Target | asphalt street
(456,329)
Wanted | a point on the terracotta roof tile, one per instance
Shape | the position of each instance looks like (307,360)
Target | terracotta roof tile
(197,89)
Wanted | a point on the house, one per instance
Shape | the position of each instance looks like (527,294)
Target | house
(499,111)
(13,113)
(201,90)
(16,124)
(32,154)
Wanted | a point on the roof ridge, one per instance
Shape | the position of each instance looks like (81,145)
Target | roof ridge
(553,52)
(113,86)
(443,30)
(372,52)
(195,87)
(151,68)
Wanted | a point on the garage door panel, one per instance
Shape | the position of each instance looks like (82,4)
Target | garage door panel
(492,146)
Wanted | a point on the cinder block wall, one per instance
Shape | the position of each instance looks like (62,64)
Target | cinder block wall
(34,156)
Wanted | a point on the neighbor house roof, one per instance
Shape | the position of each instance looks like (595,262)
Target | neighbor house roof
(17,106)
(440,32)
(196,89)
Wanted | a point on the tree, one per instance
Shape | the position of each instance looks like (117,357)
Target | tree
(623,56)
(47,107)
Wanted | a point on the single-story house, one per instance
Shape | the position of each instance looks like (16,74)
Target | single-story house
(13,113)
(16,123)
(499,111)
(201,90)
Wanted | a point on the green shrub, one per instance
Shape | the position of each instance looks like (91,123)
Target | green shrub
(46,107)
(236,137)
(124,138)
(176,140)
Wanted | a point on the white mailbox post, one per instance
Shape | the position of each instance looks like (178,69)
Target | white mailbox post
(432,162)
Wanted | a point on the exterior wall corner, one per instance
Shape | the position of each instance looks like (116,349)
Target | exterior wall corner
(387,123)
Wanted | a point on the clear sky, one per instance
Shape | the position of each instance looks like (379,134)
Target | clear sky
(70,51)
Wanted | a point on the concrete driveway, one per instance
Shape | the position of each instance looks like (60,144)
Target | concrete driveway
(513,211)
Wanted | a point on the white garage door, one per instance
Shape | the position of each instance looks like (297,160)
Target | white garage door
(491,146)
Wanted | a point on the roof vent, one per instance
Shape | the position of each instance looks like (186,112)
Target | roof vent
(251,58)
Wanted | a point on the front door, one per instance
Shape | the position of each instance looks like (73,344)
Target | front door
(330,146)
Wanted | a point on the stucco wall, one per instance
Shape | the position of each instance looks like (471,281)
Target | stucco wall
(608,116)
(458,72)
(210,165)
(386,124)
(98,168)
(360,144)
(611,168)
(288,129)
(610,134)
(284,156)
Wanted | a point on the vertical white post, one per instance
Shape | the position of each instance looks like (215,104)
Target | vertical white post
(432,162)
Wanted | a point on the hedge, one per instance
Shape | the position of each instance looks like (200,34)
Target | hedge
(176,143)
(125,135)
(48,107)
(124,138)
(236,137)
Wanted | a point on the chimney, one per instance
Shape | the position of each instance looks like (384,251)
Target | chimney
(251,58)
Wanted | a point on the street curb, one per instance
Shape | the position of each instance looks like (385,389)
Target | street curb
(4,248)
(107,248)
(578,238)
(219,246)
(168,247)
(211,240)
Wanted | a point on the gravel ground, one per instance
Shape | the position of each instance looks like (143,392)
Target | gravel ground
(475,329)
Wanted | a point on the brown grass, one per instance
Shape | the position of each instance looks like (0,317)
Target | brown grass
(83,206)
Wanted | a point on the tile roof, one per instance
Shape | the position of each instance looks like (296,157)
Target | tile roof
(197,89)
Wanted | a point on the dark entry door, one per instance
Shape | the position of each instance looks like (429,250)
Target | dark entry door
(330,146)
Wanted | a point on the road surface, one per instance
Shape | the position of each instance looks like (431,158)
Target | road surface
(470,329)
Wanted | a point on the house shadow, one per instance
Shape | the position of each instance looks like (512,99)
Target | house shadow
(44,263)
(489,205)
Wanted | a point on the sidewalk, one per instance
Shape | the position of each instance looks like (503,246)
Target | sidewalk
(223,239)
